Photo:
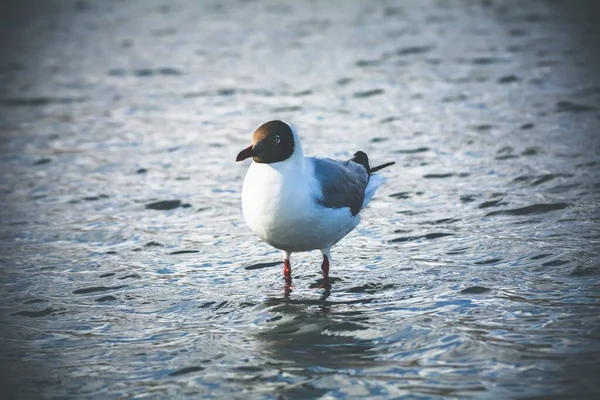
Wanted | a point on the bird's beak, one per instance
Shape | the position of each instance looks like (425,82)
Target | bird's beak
(246,153)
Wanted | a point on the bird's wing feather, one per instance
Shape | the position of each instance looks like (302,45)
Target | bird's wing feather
(343,183)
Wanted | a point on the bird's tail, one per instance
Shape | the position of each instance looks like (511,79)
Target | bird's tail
(375,181)
(361,158)
(382,166)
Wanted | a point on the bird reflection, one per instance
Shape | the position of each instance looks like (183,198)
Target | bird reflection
(321,284)
(303,336)
(308,333)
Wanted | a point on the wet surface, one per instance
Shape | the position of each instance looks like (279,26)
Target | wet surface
(127,270)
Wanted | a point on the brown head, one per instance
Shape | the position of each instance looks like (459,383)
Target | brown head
(272,142)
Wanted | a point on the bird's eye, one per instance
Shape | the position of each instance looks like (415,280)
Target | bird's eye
(276,139)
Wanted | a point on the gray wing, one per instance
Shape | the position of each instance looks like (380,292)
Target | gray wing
(343,183)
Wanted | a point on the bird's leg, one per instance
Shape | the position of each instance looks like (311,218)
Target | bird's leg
(287,268)
(325,269)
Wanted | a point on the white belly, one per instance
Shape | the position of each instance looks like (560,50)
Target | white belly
(285,214)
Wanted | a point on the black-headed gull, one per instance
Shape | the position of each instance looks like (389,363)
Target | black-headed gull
(297,203)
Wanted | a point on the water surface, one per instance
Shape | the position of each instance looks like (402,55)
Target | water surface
(127,270)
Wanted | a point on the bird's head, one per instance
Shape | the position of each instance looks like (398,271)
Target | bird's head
(272,142)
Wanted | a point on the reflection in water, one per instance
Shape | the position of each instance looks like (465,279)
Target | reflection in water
(310,338)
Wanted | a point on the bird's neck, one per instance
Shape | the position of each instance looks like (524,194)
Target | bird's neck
(294,165)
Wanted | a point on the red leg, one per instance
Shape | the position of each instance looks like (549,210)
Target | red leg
(325,268)
(287,271)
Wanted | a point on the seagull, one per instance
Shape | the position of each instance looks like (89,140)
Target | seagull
(296,203)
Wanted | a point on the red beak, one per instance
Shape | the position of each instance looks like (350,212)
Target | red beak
(246,153)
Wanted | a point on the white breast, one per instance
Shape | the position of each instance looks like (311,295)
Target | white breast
(279,204)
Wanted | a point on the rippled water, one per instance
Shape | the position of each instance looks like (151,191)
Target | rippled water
(127,270)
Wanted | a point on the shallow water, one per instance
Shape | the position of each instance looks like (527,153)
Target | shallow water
(127,269)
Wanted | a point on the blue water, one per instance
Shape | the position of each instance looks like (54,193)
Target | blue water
(127,270)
